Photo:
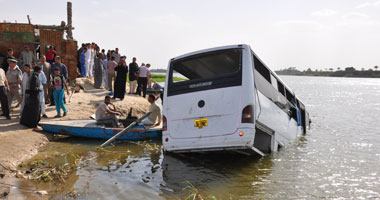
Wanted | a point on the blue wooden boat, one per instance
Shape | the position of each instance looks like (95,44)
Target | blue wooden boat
(89,129)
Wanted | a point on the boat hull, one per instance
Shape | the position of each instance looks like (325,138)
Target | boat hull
(89,129)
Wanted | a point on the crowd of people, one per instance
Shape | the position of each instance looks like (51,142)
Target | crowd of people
(32,83)
(110,69)
(35,82)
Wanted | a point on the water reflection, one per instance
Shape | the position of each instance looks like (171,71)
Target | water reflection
(217,174)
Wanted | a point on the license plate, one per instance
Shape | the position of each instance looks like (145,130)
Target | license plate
(200,123)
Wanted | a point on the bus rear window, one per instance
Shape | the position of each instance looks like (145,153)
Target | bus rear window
(208,65)
(206,71)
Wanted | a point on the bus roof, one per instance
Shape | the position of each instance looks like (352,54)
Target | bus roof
(210,49)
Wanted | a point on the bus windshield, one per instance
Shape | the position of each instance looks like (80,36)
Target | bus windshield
(207,65)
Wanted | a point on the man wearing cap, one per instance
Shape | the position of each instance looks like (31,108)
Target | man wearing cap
(5,64)
(27,57)
(3,94)
(14,78)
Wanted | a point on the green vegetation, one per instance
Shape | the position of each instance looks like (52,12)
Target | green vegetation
(55,168)
(162,78)
(194,194)
(347,72)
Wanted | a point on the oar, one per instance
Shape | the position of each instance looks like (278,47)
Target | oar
(125,130)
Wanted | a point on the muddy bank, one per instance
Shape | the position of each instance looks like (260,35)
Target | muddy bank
(19,143)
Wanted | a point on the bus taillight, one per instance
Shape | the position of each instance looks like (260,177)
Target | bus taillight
(247,115)
(164,124)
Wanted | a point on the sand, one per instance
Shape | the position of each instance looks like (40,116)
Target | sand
(19,143)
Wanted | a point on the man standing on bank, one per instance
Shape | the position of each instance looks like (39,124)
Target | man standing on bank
(111,73)
(31,112)
(121,79)
(117,55)
(133,69)
(14,77)
(27,57)
(45,66)
(98,71)
(43,82)
(3,94)
(25,80)
(5,64)
(144,75)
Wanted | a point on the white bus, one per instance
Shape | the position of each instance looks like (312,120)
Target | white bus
(230,101)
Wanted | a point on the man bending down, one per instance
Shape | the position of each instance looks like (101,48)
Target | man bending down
(105,114)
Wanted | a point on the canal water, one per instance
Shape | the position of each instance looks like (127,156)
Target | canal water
(338,158)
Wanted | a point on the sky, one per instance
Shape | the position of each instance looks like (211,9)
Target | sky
(283,33)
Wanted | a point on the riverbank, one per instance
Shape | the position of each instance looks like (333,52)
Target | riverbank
(19,143)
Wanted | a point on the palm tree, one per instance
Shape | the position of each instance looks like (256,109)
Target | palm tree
(376,67)
(338,68)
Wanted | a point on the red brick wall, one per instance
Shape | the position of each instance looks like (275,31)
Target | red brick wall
(67,49)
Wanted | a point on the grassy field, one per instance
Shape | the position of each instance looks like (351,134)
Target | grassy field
(161,78)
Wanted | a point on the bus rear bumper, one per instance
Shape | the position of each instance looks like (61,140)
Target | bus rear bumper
(235,142)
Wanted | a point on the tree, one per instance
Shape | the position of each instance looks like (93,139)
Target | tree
(376,67)
(338,68)
(331,69)
(350,69)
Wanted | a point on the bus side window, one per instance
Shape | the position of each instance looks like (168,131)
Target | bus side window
(289,95)
(291,99)
(259,66)
(274,81)
(281,88)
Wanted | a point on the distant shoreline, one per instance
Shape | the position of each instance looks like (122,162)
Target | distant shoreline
(348,72)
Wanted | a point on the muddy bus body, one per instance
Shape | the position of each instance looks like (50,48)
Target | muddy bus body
(230,101)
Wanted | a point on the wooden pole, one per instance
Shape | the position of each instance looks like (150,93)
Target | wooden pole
(69,21)
(125,130)
(29,19)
